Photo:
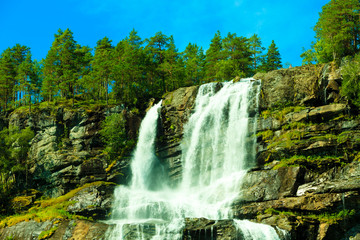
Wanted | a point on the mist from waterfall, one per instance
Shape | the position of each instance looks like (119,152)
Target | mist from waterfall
(218,147)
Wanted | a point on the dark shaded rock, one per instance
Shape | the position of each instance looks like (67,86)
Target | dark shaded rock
(201,229)
(338,180)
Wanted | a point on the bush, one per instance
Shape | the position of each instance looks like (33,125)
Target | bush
(114,135)
(351,81)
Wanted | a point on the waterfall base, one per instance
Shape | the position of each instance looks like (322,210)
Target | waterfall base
(199,229)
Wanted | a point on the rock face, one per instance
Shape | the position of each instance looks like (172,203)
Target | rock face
(66,149)
(307,178)
(94,201)
(310,85)
(307,172)
(175,111)
(74,229)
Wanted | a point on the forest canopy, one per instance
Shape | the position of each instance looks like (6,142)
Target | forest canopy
(129,72)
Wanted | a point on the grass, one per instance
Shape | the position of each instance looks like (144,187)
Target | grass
(49,209)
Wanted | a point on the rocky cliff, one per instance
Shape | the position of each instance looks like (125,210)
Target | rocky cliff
(307,177)
(306,181)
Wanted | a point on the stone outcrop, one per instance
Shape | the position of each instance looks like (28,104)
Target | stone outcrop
(94,201)
(309,85)
(55,229)
(175,111)
(66,150)
(300,85)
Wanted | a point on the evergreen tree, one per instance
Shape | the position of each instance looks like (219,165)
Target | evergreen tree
(337,32)
(10,62)
(163,54)
(272,59)
(256,51)
(194,60)
(213,56)
(338,26)
(129,70)
(7,73)
(101,75)
(64,66)
(237,58)
(26,78)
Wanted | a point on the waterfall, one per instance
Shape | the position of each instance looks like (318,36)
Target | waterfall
(218,147)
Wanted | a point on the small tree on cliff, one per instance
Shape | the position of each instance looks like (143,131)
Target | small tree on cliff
(272,59)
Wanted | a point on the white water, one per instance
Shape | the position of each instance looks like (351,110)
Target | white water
(217,151)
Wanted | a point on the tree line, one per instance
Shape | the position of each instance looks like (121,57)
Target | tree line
(129,72)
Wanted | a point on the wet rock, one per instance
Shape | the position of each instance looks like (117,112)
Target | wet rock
(176,109)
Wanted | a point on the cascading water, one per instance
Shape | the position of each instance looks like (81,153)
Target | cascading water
(217,149)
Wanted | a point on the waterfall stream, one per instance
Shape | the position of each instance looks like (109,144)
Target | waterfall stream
(218,147)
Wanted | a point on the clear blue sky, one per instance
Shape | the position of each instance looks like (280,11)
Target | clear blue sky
(34,23)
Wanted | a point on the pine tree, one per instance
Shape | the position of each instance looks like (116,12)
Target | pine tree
(256,51)
(338,26)
(337,32)
(25,77)
(237,58)
(272,59)
(213,56)
(194,60)
(7,74)
(162,52)
(64,66)
(101,75)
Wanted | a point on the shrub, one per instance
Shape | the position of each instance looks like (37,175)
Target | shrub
(351,82)
(114,135)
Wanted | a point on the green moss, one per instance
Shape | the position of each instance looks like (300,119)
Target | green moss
(49,209)
(266,135)
(48,233)
(279,112)
(314,162)
(325,217)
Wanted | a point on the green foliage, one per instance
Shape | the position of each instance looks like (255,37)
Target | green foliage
(272,59)
(337,32)
(130,72)
(114,136)
(280,111)
(256,52)
(65,63)
(266,135)
(314,163)
(48,233)
(351,81)
(14,145)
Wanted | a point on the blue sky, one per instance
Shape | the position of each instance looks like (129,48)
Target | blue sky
(34,23)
